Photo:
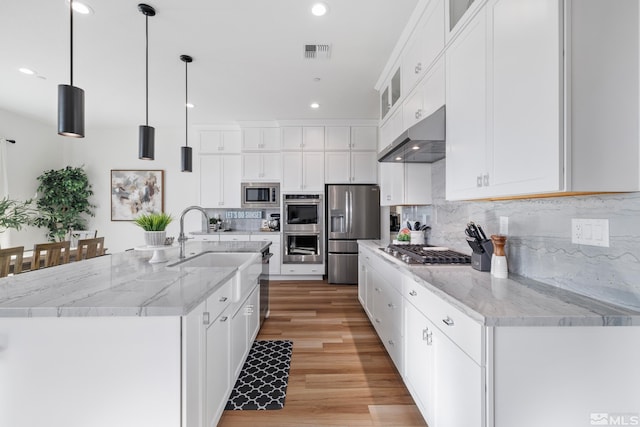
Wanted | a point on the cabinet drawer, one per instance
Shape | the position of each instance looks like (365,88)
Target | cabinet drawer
(234,237)
(460,328)
(219,300)
(302,269)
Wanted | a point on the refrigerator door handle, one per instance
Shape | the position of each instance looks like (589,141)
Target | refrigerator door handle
(350,210)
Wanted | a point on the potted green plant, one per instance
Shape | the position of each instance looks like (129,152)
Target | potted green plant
(15,214)
(63,202)
(154,225)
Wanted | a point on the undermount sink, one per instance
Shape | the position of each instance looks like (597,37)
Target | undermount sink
(216,259)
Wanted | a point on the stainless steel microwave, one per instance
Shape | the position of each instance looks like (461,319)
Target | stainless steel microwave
(260,194)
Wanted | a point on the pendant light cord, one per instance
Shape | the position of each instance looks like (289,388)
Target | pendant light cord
(186,106)
(71,38)
(146,20)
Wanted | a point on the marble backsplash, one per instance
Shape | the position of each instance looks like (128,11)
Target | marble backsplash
(539,239)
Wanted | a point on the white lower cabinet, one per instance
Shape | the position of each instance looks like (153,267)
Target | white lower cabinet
(217,380)
(245,323)
(276,250)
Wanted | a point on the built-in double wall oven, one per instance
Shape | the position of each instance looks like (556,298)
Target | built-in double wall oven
(302,228)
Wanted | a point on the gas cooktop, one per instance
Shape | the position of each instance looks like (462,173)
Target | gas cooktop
(421,254)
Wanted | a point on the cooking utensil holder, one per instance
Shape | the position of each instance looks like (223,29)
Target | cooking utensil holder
(481,256)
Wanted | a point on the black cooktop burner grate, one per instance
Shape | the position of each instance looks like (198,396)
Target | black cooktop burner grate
(421,254)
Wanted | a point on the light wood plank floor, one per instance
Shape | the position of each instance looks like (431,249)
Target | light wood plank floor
(340,372)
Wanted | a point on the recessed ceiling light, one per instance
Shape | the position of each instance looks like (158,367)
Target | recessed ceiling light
(80,7)
(314,105)
(27,71)
(190,105)
(319,9)
(398,158)
(415,147)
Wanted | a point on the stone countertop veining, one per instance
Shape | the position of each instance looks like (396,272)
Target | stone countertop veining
(122,284)
(220,233)
(515,301)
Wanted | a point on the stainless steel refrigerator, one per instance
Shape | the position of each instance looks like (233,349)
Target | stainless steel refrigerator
(352,213)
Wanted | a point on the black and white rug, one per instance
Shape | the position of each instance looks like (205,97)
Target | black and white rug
(262,383)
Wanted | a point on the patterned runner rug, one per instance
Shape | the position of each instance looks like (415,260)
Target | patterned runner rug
(262,383)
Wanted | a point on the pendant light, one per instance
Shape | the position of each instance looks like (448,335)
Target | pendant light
(71,98)
(186,162)
(146,134)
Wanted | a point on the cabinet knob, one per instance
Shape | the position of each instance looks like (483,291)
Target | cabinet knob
(390,305)
(413,293)
(223,318)
(485,180)
(418,68)
(427,336)
(479,181)
(220,203)
(205,318)
(377,320)
(222,299)
(391,342)
(448,321)
(418,113)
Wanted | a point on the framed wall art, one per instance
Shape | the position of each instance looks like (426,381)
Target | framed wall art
(136,192)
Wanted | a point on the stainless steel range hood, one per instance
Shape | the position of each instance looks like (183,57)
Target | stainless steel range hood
(423,142)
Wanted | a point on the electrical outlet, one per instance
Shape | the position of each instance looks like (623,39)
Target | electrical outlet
(504,225)
(593,232)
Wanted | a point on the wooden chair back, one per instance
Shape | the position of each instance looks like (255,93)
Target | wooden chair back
(90,248)
(5,260)
(51,254)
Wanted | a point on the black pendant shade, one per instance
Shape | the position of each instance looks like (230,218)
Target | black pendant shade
(186,159)
(70,98)
(146,142)
(146,133)
(70,111)
(186,153)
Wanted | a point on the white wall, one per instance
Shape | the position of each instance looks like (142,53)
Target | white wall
(117,148)
(38,148)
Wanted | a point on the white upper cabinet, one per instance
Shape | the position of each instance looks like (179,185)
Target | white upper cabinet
(424,46)
(458,13)
(261,166)
(310,138)
(261,139)
(466,124)
(220,181)
(364,138)
(302,171)
(427,97)
(390,93)
(337,138)
(405,184)
(354,167)
(219,141)
(390,129)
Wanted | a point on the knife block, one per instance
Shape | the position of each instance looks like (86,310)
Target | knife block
(481,256)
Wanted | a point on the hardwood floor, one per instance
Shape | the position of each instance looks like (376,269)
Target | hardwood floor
(340,373)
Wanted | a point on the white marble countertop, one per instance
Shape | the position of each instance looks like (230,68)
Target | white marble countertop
(515,301)
(122,284)
(218,233)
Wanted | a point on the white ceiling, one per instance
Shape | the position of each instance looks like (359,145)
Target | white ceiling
(248,59)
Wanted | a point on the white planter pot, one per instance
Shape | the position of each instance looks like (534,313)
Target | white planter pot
(155,238)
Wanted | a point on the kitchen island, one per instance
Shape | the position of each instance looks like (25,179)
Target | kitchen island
(479,351)
(116,340)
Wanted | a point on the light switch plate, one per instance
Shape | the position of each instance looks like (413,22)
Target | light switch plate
(504,225)
(594,232)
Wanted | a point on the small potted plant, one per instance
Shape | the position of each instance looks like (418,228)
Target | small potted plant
(154,224)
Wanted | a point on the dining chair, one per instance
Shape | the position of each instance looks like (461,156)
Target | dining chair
(90,248)
(51,254)
(77,235)
(5,260)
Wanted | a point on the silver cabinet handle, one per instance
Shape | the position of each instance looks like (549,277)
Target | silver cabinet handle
(391,343)
(223,318)
(205,318)
(448,321)
(479,181)
(418,68)
(418,114)
(485,180)
(377,320)
(427,336)
(413,293)
(222,299)
(390,305)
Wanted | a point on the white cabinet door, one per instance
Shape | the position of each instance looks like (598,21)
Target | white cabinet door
(238,341)
(420,374)
(252,310)
(292,171)
(220,141)
(338,138)
(292,138)
(391,129)
(526,82)
(261,139)
(337,168)
(417,184)
(459,384)
(391,184)
(364,138)
(217,379)
(271,139)
(220,181)
(466,127)
(251,138)
(313,138)
(313,171)
(261,166)
(364,167)
(194,356)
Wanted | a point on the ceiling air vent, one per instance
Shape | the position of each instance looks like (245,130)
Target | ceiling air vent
(317,51)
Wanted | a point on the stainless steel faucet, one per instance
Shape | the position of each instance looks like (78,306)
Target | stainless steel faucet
(182,238)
